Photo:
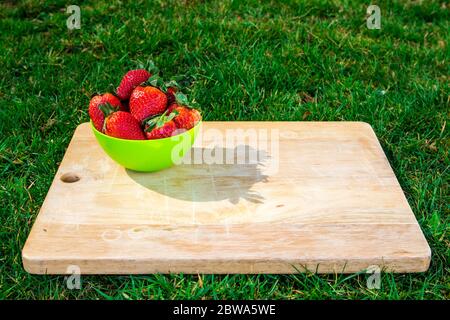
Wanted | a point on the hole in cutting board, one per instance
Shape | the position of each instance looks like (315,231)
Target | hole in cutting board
(70,177)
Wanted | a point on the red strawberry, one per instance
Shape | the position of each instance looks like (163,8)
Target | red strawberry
(160,127)
(165,131)
(172,107)
(97,116)
(123,125)
(186,118)
(146,102)
(131,80)
(170,93)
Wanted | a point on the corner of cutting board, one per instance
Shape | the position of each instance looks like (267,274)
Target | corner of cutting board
(418,262)
(30,264)
(365,125)
(83,126)
(426,260)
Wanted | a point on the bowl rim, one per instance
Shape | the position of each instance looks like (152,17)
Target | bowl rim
(140,141)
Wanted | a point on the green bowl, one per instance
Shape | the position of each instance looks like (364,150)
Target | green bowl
(147,155)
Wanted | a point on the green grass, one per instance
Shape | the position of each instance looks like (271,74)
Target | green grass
(310,60)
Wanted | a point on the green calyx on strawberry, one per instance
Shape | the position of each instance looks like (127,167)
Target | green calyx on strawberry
(182,100)
(161,126)
(156,81)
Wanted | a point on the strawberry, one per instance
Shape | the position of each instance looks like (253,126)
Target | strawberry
(131,80)
(146,102)
(172,107)
(97,116)
(160,127)
(165,131)
(186,118)
(170,93)
(123,125)
(171,88)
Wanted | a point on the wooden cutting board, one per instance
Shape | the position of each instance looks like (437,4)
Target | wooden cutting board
(318,196)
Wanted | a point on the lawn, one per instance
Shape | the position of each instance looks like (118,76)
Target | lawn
(297,61)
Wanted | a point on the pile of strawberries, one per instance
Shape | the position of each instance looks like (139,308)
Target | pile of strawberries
(143,107)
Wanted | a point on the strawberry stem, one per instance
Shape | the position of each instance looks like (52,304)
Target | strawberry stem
(107,109)
(157,82)
(159,120)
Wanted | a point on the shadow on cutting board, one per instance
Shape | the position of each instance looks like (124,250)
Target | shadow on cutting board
(194,180)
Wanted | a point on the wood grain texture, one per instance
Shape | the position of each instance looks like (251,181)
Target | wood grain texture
(321,196)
